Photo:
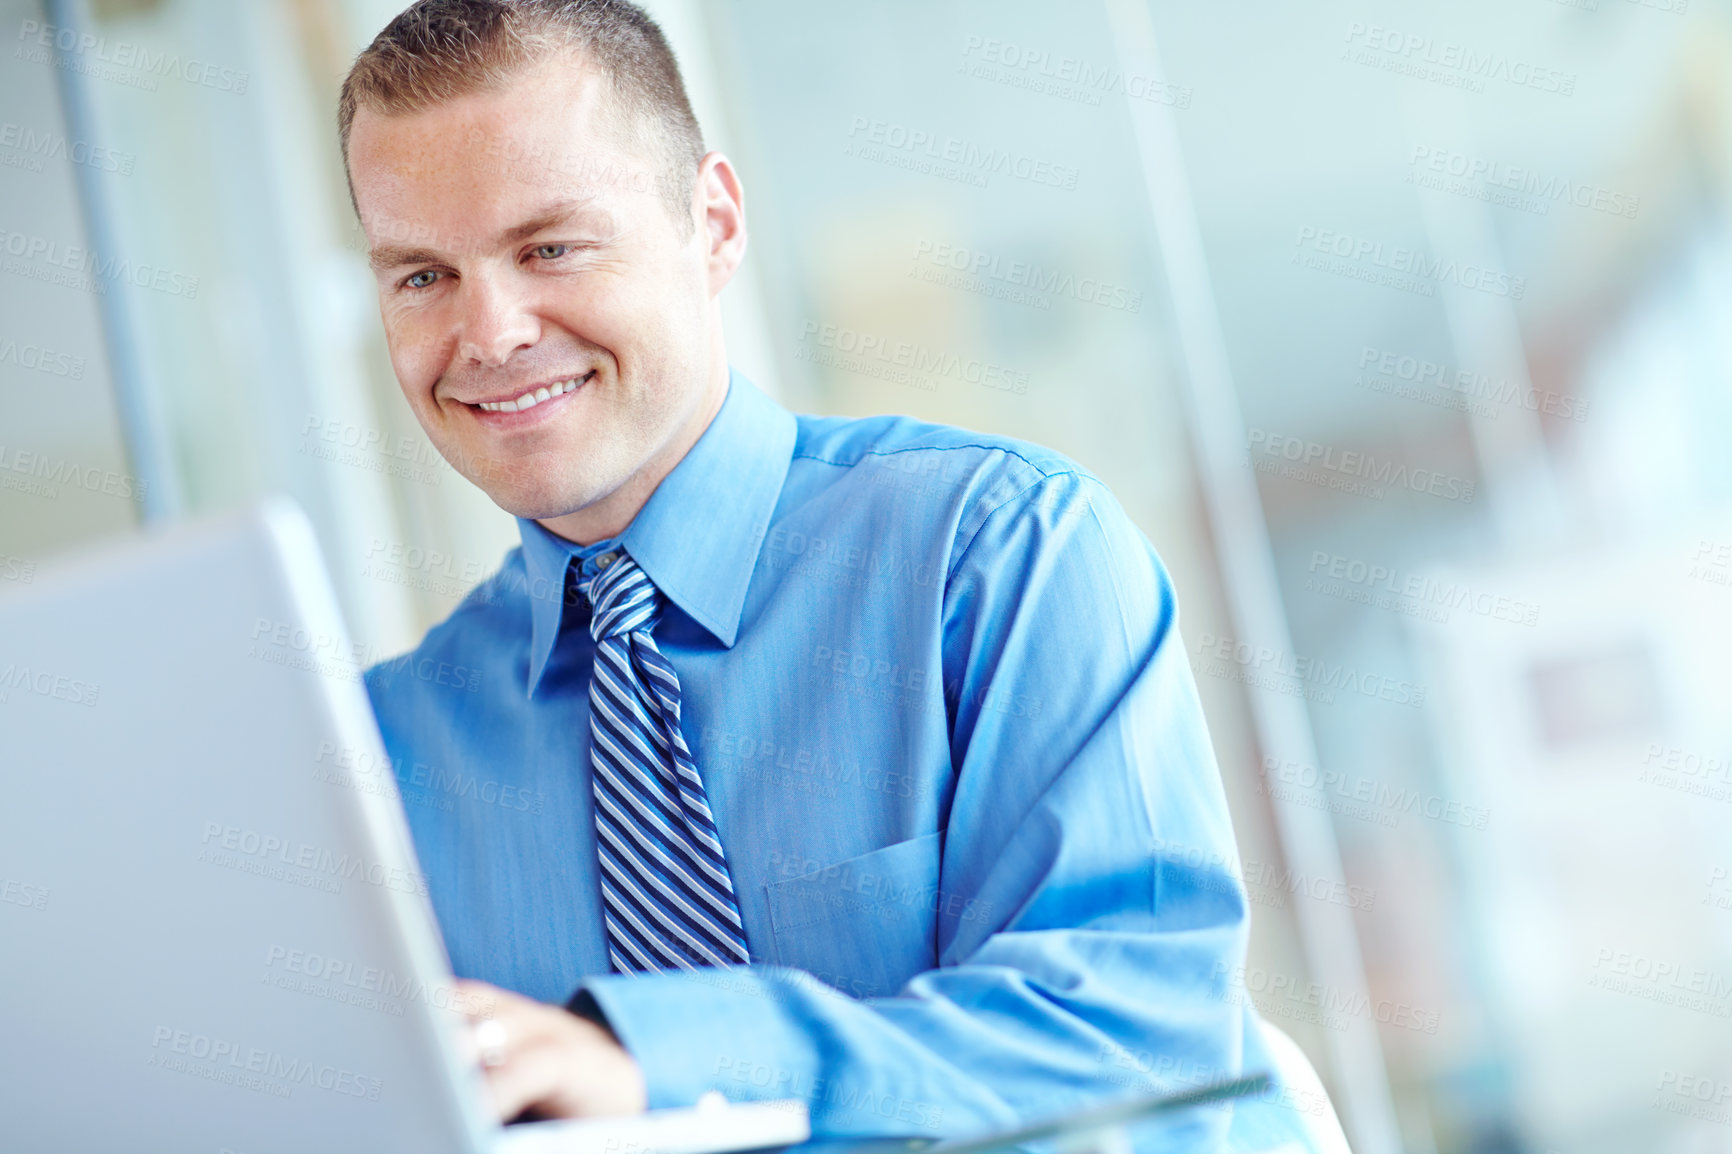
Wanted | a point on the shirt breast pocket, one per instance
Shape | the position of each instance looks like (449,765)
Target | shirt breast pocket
(864,925)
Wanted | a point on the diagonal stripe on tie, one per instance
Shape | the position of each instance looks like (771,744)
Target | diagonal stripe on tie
(613,825)
(699,908)
(654,808)
(653,824)
(698,938)
(667,896)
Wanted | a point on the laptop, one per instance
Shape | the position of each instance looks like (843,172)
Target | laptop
(213,932)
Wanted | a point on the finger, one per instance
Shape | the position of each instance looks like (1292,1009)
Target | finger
(531,1023)
(481,1000)
(490,1036)
(518,1024)
(485,1009)
(476,999)
(533,1076)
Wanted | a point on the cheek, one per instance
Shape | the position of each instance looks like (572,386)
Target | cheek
(613,314)
(664,283)
(414,344)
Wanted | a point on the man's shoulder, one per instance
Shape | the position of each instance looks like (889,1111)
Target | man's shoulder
(884,448)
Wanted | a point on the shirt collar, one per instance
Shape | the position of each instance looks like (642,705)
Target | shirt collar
(698,535)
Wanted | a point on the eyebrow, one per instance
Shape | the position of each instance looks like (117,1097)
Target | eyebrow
(396,255)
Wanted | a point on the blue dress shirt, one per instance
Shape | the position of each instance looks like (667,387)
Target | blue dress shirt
(934,685)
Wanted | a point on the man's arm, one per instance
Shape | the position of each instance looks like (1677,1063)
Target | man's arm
(1088,841)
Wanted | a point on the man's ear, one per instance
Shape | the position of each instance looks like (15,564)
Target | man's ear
(719,204)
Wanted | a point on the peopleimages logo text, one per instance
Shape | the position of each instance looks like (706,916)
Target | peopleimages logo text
(973,161)
(57,471)
(1472,385)
(125,54)
(42,144)
(1401,261)
(1068,77)
(76,259)
(1309,670)
(1448,162)
(266,1064)
(1419,53)
(1020,274)
(1360,466)
(1445,594)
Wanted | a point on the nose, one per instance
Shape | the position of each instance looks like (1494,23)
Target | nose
(495,321)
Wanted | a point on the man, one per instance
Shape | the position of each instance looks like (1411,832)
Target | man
(890,720)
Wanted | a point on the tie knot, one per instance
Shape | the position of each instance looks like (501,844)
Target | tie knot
(622,600)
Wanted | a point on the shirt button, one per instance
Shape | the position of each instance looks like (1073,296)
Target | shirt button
(605,560)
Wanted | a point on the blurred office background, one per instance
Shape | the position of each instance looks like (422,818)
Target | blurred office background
(1404,330)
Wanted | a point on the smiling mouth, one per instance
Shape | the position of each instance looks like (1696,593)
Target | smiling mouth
(535,396)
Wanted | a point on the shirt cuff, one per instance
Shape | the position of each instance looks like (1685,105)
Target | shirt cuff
(722,1029)
(583,1005)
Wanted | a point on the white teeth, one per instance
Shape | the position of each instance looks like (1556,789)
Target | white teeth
(531,399)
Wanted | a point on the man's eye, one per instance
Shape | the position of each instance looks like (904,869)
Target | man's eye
(551,251)
(422,279)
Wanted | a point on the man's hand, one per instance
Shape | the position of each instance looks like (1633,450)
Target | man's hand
(547,1060)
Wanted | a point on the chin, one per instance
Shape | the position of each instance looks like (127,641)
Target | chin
(538,502)
(531,506)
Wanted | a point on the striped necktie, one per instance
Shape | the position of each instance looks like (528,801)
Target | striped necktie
(666,894)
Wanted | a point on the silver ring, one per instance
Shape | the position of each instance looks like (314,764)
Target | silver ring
(490,1042)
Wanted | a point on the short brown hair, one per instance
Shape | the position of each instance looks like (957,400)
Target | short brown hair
(438,50)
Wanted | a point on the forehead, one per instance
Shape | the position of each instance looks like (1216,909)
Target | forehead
(478,163)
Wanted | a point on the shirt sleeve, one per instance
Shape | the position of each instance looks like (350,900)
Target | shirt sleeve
(1088,822)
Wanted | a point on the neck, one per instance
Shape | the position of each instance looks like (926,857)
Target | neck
(609,516)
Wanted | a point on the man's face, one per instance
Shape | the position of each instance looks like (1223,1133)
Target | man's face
(548,319)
